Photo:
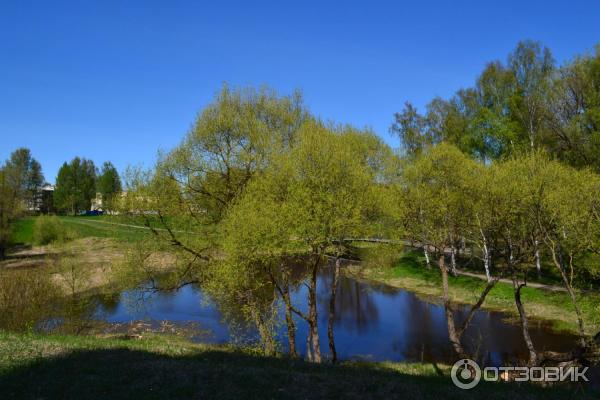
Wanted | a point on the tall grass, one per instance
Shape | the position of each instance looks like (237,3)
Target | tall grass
(49,229)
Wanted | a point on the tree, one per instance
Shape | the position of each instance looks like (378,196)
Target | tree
(532,67)
(436,189)
(20,178)
(7,211)
(75,185)
(108,183)
(24,174)
(306,204)
(574,117)
(185,199)
(411,128)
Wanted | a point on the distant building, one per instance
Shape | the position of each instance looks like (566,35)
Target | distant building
(42,200)
(96,204)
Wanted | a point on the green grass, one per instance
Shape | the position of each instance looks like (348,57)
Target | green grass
(412,274)
(80,227)
(22,231)
(162,367)
(100,227)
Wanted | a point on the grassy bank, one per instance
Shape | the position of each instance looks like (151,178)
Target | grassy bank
(412,274)
(81,227)
(163,367)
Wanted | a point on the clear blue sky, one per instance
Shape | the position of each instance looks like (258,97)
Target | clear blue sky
(118,80)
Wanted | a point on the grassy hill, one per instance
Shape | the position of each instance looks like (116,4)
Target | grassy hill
(165,367)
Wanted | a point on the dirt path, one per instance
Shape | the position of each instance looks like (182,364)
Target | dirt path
(536,285)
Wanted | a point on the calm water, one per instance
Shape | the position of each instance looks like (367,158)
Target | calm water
(372,321)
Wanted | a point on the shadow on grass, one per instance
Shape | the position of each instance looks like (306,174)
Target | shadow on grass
(121,373)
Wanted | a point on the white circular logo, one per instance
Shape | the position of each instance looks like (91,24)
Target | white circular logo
(465,374)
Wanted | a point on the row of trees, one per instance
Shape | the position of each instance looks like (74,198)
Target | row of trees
(526,103)
(511,211)
(78,182)
(259,184)
(20,177)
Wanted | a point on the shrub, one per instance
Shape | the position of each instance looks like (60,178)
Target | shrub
(49,229)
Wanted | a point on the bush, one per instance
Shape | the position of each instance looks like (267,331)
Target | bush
(49,229)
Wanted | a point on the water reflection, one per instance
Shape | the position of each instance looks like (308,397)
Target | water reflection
(370,321)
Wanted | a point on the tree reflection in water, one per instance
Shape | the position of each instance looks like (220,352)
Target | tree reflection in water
(369,320)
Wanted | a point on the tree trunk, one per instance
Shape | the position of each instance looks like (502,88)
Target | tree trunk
(312,314)
(557,259)
(486,255)
(533,358)
(334,284)
(538,261)
(289,319)
(453,259)
(452,333)
(284,291)
(426,255)
(309,352)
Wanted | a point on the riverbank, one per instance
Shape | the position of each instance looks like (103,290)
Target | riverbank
(165,367)
(555,307)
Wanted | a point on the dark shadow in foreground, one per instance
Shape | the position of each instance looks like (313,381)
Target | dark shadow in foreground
(127,374)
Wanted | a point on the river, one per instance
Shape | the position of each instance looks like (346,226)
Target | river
(372,322)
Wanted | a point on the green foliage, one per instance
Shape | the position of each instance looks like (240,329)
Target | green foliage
(435,188)
(49,229)
(312,198)
(20,177)
(26,296)
(75,186)
(524,104)
(24,174)
(108,184)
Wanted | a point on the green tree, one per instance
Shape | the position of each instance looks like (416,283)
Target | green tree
(532,66)
(574,117)
(185,198)
(20,179)
(108,183)
(75,185)
(8,210)
(24,174)
(306,204)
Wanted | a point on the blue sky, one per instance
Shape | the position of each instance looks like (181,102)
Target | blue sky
(118,80)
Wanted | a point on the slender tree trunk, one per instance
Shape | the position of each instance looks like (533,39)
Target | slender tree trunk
(538,261)
(533,358)
(486,262)
(334,284)
(453,259)
(452,333)
(284,291)
(557,259)
(289,319)
(426,255)
(309,352)
(486,251)
(312,314)
(486,255)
